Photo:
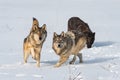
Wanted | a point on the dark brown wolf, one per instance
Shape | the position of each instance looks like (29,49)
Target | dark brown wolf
(76,24)
(67,44)
(34,41)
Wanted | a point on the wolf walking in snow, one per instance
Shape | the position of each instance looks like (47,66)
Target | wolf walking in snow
(34,41)
(67,44)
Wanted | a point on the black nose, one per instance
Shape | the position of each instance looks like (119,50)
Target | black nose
(40,38)
(59,45)
(89,46)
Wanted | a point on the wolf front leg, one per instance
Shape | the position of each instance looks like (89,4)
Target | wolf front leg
(62,60)
(25,56)
(37,56)
(33,53)
(38,59)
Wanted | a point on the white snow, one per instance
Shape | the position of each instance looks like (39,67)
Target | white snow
(101,62)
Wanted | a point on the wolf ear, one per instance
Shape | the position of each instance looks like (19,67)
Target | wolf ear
(35,22)
(44,27)
(55,34)
(63,34)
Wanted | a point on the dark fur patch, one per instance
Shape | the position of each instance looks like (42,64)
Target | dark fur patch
(76,25)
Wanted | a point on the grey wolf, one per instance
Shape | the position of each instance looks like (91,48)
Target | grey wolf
(75,23)
(34,41)
(67,44)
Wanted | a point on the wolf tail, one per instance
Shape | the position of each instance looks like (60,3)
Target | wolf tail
(71,34)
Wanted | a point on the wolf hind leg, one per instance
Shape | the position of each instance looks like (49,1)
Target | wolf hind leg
(73,60)
(80,57)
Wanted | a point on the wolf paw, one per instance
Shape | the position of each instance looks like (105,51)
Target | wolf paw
(57,65)
(34,58)
(81,61)
(25,62)
(38,65)
(71,62)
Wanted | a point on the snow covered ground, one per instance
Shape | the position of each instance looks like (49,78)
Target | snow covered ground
(101,62)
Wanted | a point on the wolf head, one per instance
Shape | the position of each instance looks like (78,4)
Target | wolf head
(90,39)
(59,39)
(38,33)
(59,42)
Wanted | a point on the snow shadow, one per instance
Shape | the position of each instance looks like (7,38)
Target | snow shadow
(88,61)
(50,62)
(105,43)
(99,60)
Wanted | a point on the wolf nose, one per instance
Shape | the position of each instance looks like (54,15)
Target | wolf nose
(89,46)
(40,38)
(59,45)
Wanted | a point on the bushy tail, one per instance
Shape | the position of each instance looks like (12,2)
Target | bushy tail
(71,34)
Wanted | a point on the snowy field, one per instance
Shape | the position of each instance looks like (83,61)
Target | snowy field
(101,62)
